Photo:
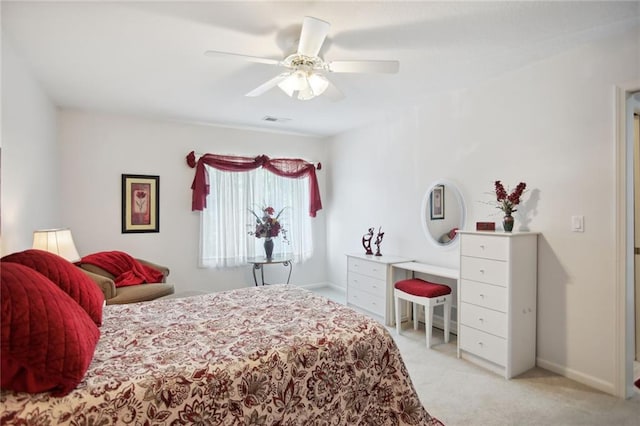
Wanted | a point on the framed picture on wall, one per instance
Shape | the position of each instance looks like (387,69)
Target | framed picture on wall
(437,202)
(140,203)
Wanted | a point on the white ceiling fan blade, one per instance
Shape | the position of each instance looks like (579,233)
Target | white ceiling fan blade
(383,67)
(268,85)
(268,61)
(313,33)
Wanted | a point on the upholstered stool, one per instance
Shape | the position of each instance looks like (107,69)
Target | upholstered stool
(429,295)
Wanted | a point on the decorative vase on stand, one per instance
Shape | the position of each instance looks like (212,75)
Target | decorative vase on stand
(507,223)
(268,247)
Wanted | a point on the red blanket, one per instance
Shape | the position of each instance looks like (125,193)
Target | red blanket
(125,269)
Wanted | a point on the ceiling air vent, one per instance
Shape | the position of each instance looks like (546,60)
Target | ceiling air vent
(272,119)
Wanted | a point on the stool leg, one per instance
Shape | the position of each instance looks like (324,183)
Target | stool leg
(428,321)
(398,322)
(414,308)
(447,319)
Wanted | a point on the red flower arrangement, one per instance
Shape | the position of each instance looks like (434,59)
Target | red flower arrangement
(141,200)
(508,202)
(268,226)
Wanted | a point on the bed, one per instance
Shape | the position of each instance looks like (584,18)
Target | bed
(273,355)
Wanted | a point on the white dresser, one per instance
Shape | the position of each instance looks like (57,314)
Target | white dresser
(370,284)
(497,303)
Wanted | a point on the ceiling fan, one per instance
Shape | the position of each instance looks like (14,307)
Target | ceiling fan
(305,74)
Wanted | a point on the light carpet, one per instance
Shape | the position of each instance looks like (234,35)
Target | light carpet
(460,393)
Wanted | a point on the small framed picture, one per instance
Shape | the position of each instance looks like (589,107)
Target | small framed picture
(140,203)
(436,200)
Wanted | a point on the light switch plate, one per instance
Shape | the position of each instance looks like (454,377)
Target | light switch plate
(577,223)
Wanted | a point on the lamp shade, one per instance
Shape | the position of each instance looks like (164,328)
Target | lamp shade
(56,241)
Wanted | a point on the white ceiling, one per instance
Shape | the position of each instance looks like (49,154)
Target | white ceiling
(146,58)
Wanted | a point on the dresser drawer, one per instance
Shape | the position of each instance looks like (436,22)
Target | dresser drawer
(359,282)
(368,268)
(487,247)
(484,319)
(481,294)
(367,301)
(484,270)
(484,345)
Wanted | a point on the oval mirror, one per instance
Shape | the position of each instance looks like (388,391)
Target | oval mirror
(442,213)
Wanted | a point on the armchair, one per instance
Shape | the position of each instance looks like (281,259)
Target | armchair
(129,294)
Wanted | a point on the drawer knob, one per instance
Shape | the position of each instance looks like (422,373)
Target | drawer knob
(481,319)
(482,295)
(482,246)
(482,271)
(480,344)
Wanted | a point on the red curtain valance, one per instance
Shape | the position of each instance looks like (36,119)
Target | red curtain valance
(285,167)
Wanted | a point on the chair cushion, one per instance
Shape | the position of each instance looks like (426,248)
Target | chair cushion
(140,293)
(422,288)
(47,339)
(65,275)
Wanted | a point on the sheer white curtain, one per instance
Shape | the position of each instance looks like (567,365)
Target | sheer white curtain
(225,223)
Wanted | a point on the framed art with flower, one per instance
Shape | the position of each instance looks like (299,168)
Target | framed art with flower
(437,202)
(140,203)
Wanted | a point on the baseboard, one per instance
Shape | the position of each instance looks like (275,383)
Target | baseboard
(320,285)
(579,377)
(336,287)
(438,322)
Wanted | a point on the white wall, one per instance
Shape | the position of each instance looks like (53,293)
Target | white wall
(30,166)
(96,149)
(551,125)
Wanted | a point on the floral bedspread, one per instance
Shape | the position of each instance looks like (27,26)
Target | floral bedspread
(275,355)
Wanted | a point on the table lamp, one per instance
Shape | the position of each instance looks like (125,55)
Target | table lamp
(56,241)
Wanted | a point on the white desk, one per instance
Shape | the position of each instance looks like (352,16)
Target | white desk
(424,268)
(436,271)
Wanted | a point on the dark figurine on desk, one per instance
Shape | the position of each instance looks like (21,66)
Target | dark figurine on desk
(378,241)
(366,241)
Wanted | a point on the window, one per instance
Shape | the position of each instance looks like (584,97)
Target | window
(226,222)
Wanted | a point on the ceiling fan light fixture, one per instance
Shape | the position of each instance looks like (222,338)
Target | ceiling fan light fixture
(318,83)
(295,82)
(308,85)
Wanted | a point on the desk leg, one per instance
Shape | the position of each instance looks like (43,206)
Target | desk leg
(255,280)
(290,265)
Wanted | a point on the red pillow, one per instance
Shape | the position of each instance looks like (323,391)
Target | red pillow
(47,340)
(65,275)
